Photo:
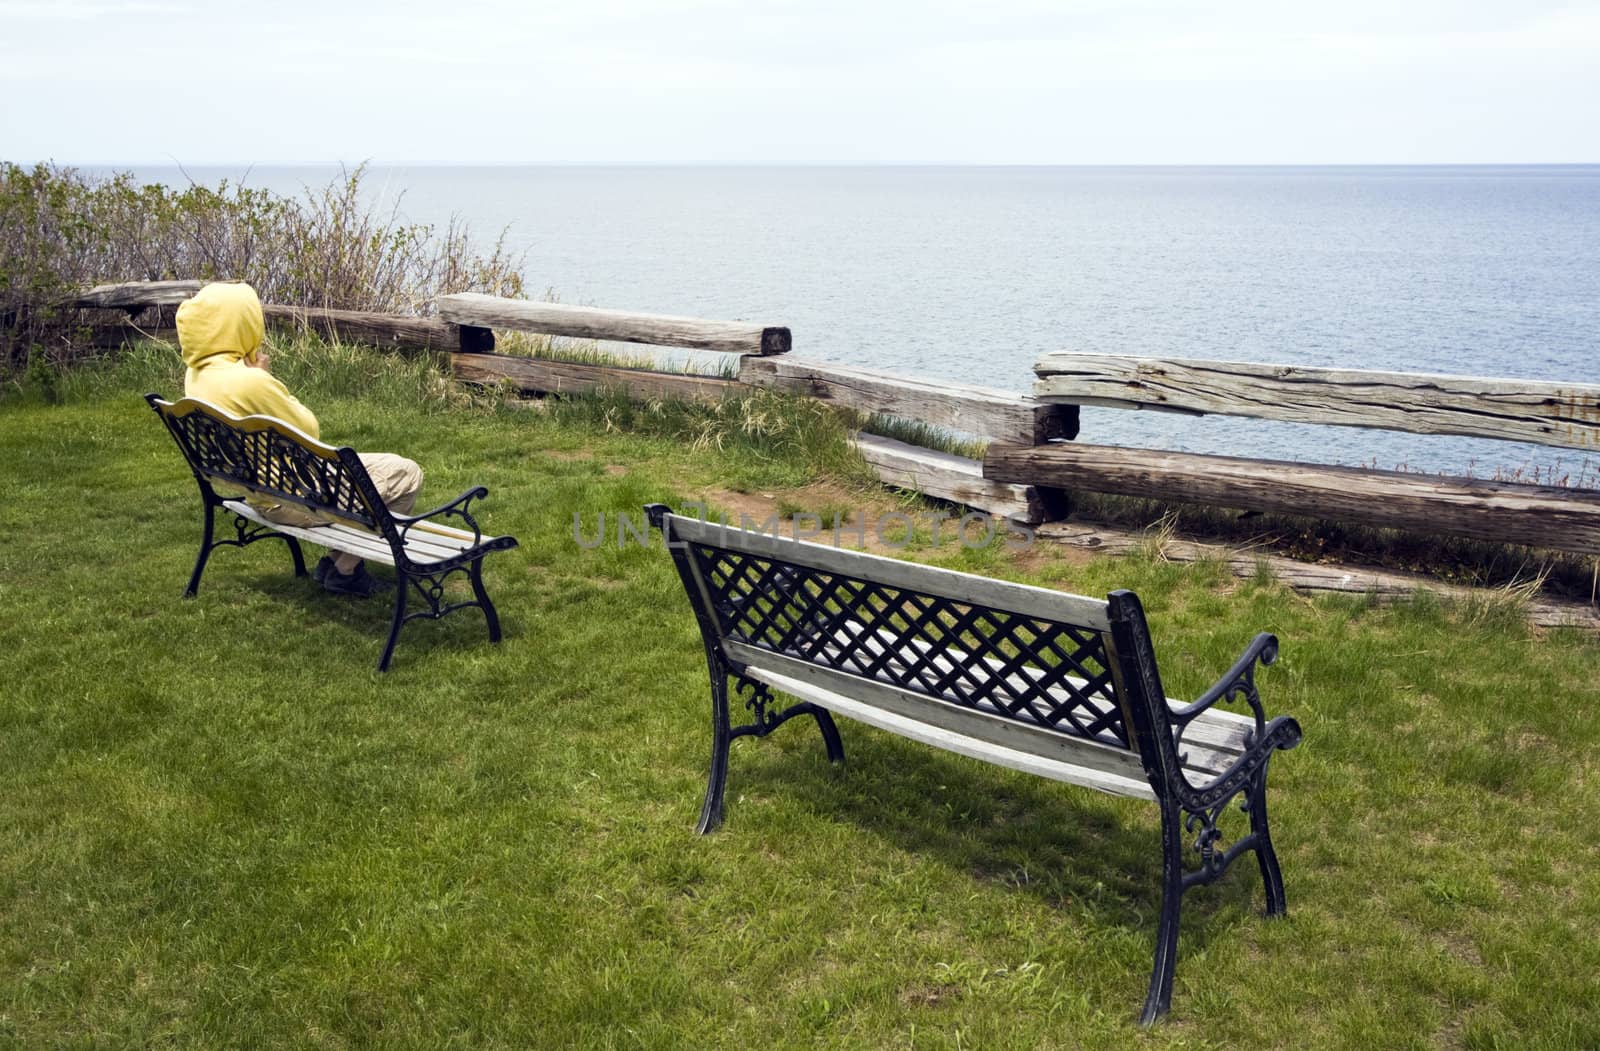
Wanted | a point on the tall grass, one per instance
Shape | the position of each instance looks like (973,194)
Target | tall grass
(784,438)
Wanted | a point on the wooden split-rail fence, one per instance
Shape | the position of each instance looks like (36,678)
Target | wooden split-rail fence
(1032,460)
(1558,415)
(465,328)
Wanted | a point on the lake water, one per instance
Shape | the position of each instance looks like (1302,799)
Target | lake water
(971,273)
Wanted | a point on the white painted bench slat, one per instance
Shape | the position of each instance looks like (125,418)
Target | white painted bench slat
(1023,599)
(422,548)
(1133,786)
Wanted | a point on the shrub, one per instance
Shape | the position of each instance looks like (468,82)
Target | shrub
(62,230)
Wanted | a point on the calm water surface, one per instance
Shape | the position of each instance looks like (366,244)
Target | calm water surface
(972,273)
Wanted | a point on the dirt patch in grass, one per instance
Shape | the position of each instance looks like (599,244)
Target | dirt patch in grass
(1041,554)
(781,504)
(930,995)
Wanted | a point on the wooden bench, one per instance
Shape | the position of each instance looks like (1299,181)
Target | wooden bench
(1555,415)
(268,460)
(1054,684)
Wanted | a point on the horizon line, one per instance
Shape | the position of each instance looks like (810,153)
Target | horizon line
(374,162)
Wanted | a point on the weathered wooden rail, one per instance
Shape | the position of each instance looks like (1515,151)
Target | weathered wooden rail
(467,321)
(134,296)
(546,376)
(990,414)
(475,310)
(1562,415)
(1555,414)
(362,326)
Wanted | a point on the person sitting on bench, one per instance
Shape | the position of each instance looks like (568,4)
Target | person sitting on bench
(220,332)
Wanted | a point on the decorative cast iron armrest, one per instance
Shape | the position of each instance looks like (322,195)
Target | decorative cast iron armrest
(456,508)
(1238,681)
(1282,732)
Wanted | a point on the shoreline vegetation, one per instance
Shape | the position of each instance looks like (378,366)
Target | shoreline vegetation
(62,230)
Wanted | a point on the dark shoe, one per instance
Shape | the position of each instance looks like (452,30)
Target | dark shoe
(324,567)
(359,584)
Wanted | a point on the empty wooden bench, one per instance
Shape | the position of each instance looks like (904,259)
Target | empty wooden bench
(1054,684)
(266,459)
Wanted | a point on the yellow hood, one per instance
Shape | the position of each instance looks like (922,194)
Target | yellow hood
(220,330)
(222,321)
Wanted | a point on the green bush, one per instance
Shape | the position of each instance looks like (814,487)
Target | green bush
(62,230)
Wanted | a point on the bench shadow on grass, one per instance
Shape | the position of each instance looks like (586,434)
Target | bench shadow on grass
(367,620)
(1077,850)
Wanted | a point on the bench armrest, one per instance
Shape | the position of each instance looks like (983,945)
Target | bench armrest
(1238,681)
(1281,733)
(456,508)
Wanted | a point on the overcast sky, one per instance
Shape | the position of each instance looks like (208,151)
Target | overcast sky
(752,81)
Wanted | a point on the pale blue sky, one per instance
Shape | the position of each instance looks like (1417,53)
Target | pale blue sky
(749,81)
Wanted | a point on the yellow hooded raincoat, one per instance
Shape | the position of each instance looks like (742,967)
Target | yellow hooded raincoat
(220,330)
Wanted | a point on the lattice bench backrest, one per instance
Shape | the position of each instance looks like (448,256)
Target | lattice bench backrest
(1026,653)
(266,456)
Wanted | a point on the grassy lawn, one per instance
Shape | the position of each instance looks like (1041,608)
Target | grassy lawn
(219,827)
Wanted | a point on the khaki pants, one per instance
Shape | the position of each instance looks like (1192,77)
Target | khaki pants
(398,481)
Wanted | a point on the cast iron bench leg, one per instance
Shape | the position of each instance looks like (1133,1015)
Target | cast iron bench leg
(205,552)
(1271,875)
(402,584)
(476,576)
(299,556)
(1166,956)
(208,544)
(830,734)
(723,733)
(721,738)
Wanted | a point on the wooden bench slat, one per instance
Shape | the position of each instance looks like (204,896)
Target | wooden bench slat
(1024,599)
(356,541)
(1115,783)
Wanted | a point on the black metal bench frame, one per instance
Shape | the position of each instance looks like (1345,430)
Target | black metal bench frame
(1060,685)
(269,459)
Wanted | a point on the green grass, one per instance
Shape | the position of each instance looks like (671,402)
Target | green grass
(592,352)
(221,828)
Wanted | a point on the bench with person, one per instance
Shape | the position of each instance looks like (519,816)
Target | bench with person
(1058,685)
(267,467)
